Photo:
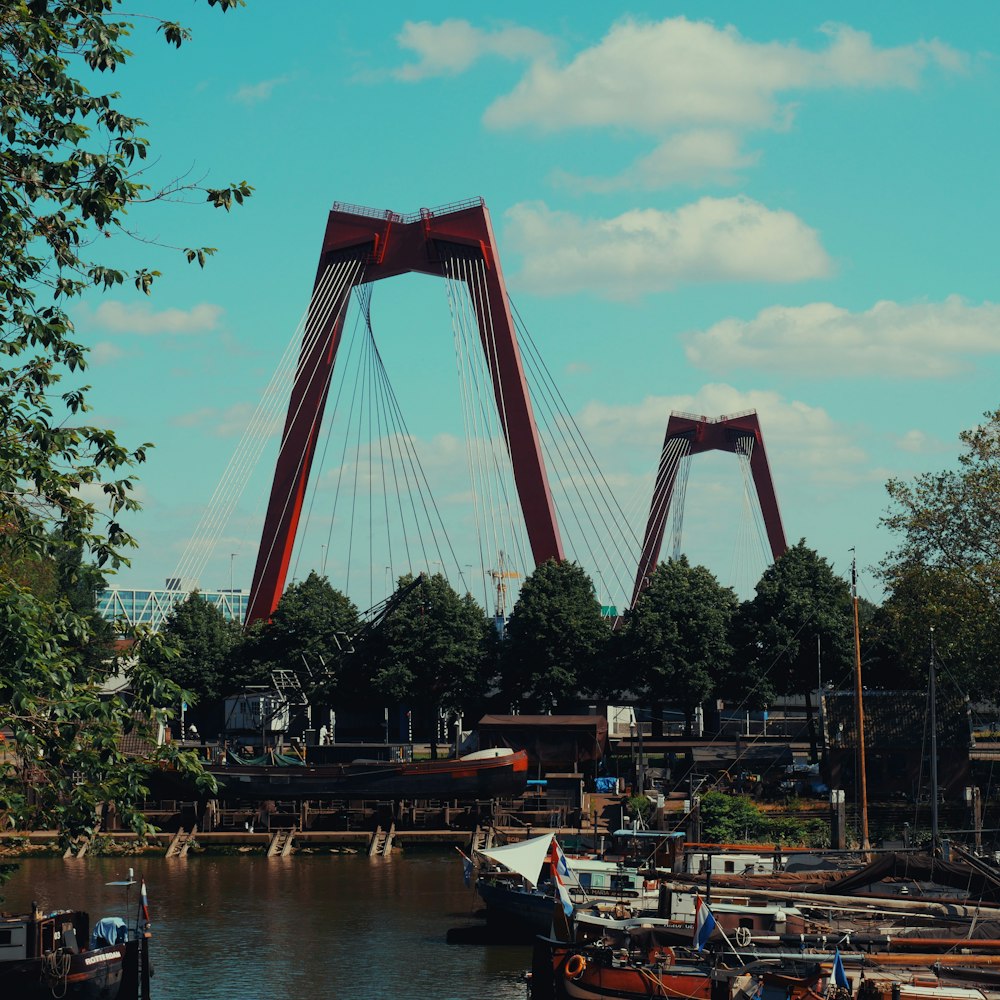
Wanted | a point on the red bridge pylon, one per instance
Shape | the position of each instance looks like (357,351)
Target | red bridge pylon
(738,434)
(374,244)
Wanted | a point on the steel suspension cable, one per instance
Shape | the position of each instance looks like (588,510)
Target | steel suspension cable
(358,270)
(252,443)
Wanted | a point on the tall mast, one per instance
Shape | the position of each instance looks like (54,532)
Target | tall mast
(932,694)
(860,711)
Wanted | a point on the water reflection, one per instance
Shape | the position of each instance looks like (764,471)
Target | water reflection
(252,928)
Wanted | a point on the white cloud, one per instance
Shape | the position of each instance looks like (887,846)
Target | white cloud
(256,93)
(118,317)
(640,251)
(104,352)
(696,158)
(452,46)
(918,442)
(890,340)
(799,438)
(676,73)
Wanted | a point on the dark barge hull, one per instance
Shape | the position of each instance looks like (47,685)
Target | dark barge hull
(90,975)
(434,779)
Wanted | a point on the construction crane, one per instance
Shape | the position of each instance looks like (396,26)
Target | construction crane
(501,576)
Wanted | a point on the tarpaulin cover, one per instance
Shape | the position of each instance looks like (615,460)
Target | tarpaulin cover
(108,930)
(526,858)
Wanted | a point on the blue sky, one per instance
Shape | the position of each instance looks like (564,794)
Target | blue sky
(708,208)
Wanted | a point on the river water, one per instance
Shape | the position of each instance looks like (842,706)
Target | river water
(342,927)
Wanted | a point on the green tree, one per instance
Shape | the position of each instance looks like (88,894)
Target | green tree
(556,640)
(966,637)
(945,572)
(307,633)
(202,643)
(432,652)
(798,599)
(70,165)
(676,640)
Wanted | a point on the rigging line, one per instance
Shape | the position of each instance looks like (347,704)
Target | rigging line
(423,487)
(756,512)
(562,427)
(322,324)
(559,459)
(493,444)
(244,458)
(264,418)
(486,310)
(740,560)
(684,476)
(608,491)
(377,393)
(237,467)
(343,369)
(330,424)
(359,267)
(490,386)
(363,359)
(668,498)
(488,396)
(452,291)
(405,446)
(315,483)
(371,525)
(470,413)
(392,440)
(611,530)
(654,511)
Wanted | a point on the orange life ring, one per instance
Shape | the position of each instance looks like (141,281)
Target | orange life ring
(575,965)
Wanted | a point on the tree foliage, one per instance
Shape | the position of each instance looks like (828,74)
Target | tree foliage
(433,651)
(676,640)
(945,572)
(556,639)
(308,633)
(202,643)
(70,162)
(798,599)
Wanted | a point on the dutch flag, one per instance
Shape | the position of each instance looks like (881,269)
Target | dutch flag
(704,923)
(143,901)
(562,865)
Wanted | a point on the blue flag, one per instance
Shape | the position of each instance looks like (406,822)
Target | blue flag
(704,923)
(466,867)
(839,976)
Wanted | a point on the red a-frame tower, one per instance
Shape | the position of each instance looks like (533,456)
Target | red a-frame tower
(737,434)
(388,244)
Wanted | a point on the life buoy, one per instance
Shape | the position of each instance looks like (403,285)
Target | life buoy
(575,965)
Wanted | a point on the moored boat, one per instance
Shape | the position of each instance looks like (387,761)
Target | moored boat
(483,775)
(56,954)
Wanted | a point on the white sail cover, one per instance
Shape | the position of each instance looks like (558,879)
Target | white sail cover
(524,858)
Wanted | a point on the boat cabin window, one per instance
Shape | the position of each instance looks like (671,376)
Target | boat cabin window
(747,922)
(6,937)
(730,866)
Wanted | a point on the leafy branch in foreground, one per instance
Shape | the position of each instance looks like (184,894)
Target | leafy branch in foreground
(72,167)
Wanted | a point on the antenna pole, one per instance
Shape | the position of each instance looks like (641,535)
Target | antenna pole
(860,710)
(932,694)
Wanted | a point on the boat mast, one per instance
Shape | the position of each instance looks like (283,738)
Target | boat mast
(860,711)
(932,694)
